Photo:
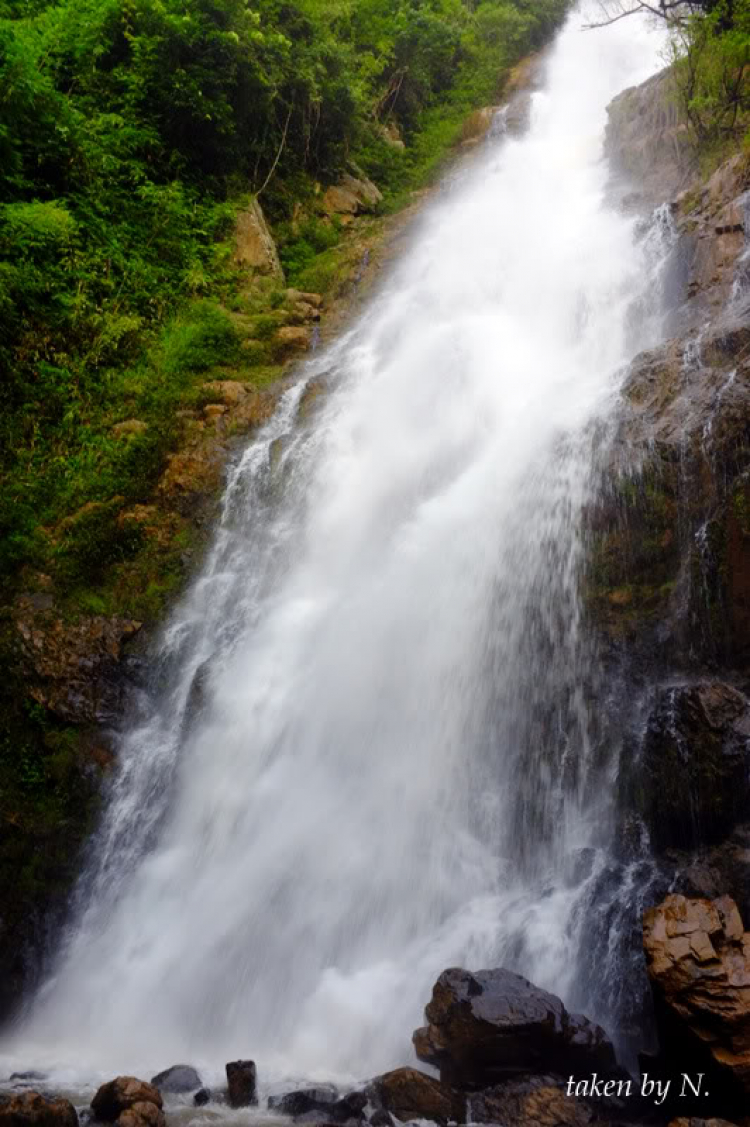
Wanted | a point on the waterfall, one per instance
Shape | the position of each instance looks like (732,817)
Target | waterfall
(375,749)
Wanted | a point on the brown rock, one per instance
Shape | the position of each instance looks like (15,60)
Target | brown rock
(127,1094)
(313,299)
(228,392)
(530,1102)
(698,960)
(408,1093)
(214,411)
(477,125)
(683,1122)
(30,1109)
(242,1083)
(254,246)
(351,196)
(292,339)
(494,1024)
(142,1114)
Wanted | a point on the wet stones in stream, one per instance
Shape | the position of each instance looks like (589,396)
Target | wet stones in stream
(129,1102)
(31,1109)
(178,1078)
(242,1083)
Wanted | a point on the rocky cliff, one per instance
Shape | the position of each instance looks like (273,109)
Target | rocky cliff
(667,583)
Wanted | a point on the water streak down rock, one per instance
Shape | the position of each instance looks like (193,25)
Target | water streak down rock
(493,1024)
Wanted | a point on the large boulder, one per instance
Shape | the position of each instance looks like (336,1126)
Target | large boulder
(254,248)
(408,1094)
(30,1109)
(351,196)
(493,1024)
(698,960)
(178,1078)
(242,1082)
(695,764)
(129,1102)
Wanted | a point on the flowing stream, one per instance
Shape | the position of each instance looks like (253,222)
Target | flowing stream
(376,748)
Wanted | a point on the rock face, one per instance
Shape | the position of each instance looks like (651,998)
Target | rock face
(648,140)
(494,1024)
(30,1109)
(76,666)
(242,1083)
(696,764)
(698,959)
(129,1102)
(178,1078)
(254,247)
(408,1094)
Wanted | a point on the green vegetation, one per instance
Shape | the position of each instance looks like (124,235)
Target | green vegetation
(129,132)
(712,56)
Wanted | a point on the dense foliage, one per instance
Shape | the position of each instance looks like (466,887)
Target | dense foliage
(128,128)
(713,57)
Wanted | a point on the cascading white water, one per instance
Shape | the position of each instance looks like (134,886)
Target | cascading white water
(388,766)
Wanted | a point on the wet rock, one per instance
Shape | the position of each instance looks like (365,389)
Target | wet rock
(198,695)
(494,1024)
(129,1102)
(478,124)
(683,1122)
(647,138)
(178,1078)
(408,1093)
(698,961)
(696,764)
(381,1118)
(74,667)
(351,1106)
(254,247)
(320,1098)
(142,1114)
(242,1083)
(202,1097)
(30,1109)
(538,1100)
